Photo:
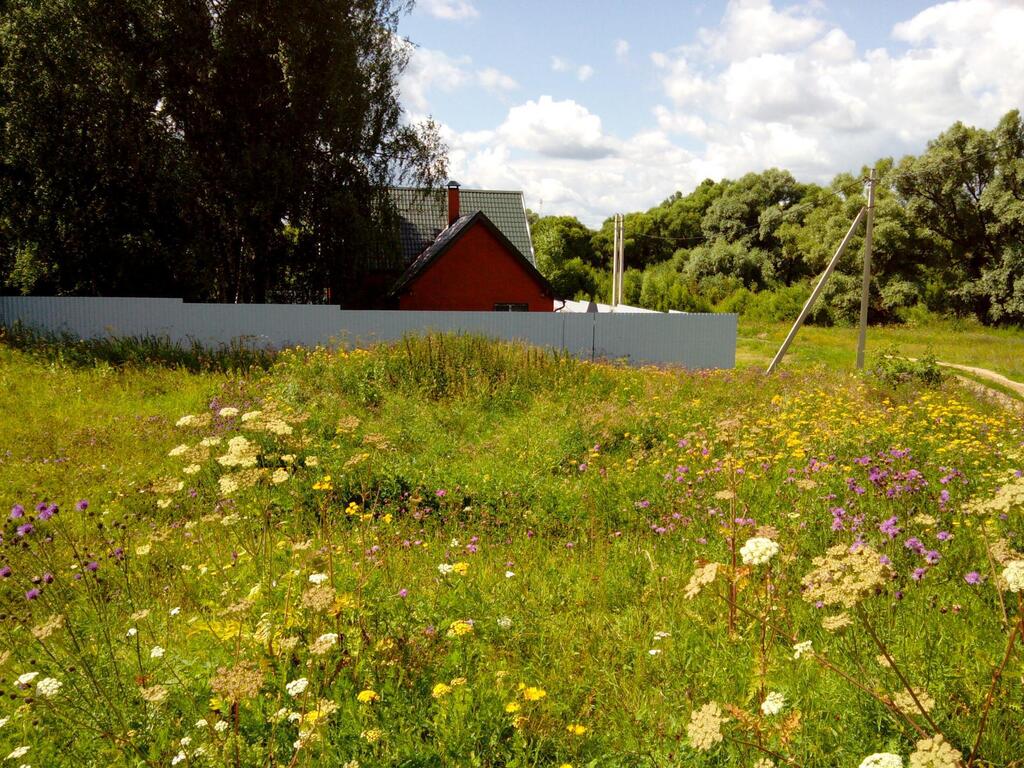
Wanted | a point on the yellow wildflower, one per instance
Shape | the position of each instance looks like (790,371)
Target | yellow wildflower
(440,690)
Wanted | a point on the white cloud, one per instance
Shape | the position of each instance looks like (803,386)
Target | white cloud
(561,129)
(495,80)
(622,50)
(450,10)
(435,70)
(799,95)
(765,86)
(429,69)
(584,72)
(752,27)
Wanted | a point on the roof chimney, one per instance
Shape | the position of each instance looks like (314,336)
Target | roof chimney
(453,201)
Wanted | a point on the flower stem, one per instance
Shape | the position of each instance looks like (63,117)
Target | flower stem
(892,664)
(996,676)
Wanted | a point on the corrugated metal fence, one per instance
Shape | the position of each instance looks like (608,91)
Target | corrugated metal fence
(690,340)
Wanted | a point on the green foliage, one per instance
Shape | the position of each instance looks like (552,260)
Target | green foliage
(560,239)
(573,279)
(227,150)
(892,368)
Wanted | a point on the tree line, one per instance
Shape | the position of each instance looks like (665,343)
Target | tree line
(227,150)
(948,238)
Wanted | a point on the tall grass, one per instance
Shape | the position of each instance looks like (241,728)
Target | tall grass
(135,351)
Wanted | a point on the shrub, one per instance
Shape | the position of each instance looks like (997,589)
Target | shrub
(894,369)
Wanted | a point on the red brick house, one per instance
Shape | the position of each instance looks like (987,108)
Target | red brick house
(475,262)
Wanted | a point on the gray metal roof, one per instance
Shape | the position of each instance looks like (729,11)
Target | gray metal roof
(453,233)
(423,215)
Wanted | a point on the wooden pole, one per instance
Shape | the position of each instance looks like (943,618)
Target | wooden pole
(615,259)
(865,289)
(622,256)
(816,292)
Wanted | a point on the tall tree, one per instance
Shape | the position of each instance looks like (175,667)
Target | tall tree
(230,149)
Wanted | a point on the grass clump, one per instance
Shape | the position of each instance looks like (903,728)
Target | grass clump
(136,351)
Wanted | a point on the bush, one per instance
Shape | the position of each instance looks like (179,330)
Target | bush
(893,369)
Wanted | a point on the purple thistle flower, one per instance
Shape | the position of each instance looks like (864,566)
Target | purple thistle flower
(25,528)
(918,574)
(932,557)
(403,592)
(32,594)
(973,577)
(47,578)
(47,513)
(17,511)
(944,536)
(889,527)
(82,505)
(915,544)
(92,566)
(6,572)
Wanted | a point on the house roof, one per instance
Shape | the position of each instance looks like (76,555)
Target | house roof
(423,215)
(450,235)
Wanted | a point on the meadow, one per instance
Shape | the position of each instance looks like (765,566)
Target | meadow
(451,552)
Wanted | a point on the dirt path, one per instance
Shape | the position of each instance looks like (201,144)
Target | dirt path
(985,373)
(1003,399)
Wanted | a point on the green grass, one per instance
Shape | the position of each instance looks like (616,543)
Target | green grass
(601,489)
(966,343)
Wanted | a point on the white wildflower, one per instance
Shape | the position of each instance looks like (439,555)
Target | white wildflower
(317,578)
(296,687)
(445,568)
(758,550)
(882,760)
(773,703)
(801,648)
(48,687)
(1013,574)
(27,678)
(156,653)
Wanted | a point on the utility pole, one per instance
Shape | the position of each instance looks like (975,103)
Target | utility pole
(817,291)
(866,284)
(617,255)
(622,256)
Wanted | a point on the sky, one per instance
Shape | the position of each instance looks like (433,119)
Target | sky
(593,108)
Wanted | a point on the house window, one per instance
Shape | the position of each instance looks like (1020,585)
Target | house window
(511,307)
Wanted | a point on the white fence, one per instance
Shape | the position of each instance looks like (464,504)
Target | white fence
(690,340)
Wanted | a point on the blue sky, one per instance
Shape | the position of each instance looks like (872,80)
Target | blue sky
(593,108)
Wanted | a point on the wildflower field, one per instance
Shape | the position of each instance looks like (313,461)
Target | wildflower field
(451,552)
